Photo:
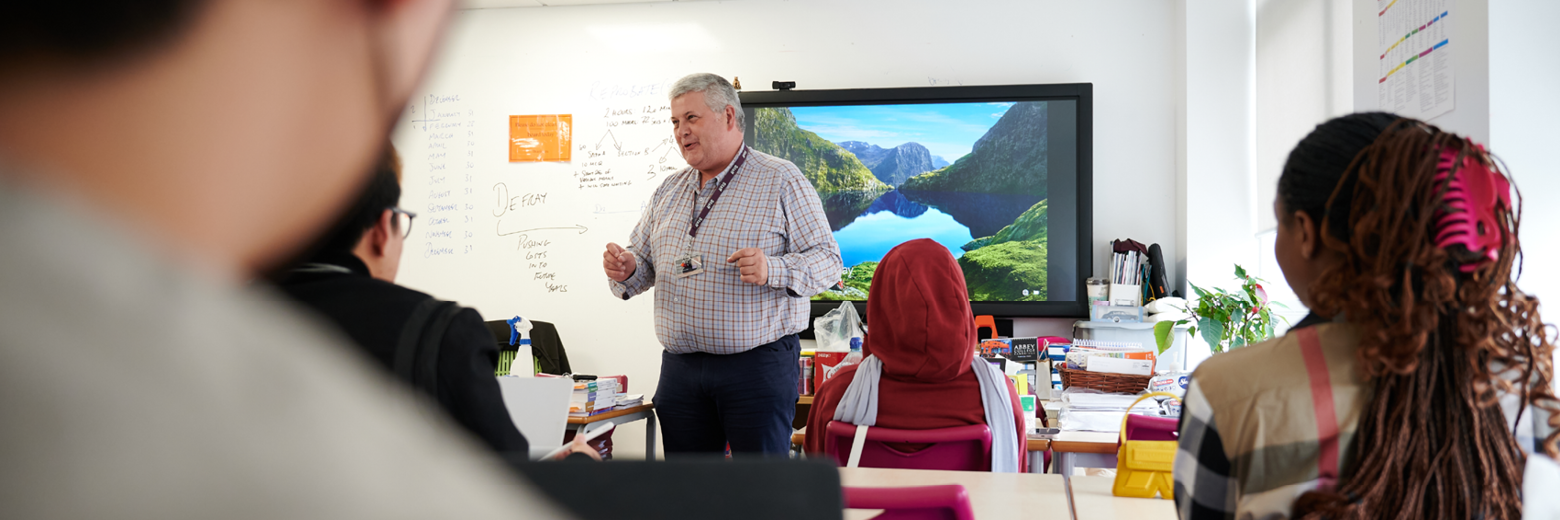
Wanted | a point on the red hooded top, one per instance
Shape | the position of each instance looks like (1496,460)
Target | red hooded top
(921,327)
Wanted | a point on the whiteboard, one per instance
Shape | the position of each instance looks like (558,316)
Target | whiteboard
(506,236)
(525,238)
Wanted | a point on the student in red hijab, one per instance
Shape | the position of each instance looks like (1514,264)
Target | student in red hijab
(922,331)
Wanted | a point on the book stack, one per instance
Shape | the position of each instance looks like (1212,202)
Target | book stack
(593,397)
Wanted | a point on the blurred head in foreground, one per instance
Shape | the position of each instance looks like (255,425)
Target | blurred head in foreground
(227,131)
(153,155)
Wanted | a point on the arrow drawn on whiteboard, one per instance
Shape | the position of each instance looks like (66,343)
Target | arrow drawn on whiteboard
(664,142)
(501,233)
(615,144)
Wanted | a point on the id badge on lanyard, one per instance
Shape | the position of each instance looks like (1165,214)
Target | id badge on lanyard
(691,263)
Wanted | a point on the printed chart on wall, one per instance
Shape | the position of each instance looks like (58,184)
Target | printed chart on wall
(517,201)
(1415,62)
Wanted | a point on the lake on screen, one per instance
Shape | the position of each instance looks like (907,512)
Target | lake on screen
(866,224)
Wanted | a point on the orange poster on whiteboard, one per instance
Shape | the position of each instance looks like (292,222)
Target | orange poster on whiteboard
(545,138)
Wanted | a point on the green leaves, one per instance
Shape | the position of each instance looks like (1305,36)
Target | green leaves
(1233,320)
(1162,333)
(1212,332)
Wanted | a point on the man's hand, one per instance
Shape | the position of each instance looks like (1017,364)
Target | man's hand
(579,446)
(617,262)
(753,263)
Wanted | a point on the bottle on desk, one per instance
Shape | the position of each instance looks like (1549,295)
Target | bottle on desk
(524,364)
(853,358)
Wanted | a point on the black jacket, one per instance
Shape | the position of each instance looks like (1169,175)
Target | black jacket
(372,312)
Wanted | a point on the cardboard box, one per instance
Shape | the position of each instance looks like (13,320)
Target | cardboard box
(823,366)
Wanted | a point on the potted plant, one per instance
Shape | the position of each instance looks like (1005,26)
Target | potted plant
(1226,320)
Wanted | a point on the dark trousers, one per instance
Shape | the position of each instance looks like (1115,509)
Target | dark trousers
(707,400)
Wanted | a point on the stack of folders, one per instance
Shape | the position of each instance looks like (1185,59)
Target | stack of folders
(593,397)
(630,400)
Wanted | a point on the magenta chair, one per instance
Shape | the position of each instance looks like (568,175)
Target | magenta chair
(948,502)
(1144,428)
(961,448)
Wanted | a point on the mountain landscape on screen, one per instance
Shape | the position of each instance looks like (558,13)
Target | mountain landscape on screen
(883,180)
(892,165)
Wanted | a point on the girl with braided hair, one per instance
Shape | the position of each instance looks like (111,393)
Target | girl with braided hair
(1422,379)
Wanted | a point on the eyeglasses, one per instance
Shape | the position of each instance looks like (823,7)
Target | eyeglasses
(403,221)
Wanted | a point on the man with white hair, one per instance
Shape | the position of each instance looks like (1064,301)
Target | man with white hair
(736,244)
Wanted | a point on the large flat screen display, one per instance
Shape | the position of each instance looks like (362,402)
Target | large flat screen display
(998,175)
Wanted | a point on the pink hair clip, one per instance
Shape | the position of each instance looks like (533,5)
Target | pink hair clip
(1467,214)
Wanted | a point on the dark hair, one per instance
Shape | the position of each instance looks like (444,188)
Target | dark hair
(1438,344)
(89,30)
(382,192)
(1316,165)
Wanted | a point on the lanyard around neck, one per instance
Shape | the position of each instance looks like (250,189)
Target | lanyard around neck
(720,187)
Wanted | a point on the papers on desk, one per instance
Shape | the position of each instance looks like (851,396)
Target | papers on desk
(630,400)
(1117,402)
(1102,412)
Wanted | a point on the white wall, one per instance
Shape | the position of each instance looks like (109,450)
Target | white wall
(1126,49)
(1470,63)
(1218,127)
(1304,77)
(1524,110)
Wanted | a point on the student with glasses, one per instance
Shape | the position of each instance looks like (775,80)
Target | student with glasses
(350,280)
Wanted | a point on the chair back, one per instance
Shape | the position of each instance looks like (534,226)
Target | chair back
(546,345)
(960,448)
(946,502)
(1144,428)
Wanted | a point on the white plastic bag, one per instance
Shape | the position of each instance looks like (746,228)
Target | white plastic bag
(834,329)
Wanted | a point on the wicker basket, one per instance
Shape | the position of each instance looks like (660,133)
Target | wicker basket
(1104,381)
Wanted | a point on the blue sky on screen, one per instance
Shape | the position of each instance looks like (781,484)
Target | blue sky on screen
(947,130)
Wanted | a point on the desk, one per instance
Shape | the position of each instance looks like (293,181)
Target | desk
(1035,447)
(1083,450)
(626,415)
(1092,500)
(992,495)
(803,408)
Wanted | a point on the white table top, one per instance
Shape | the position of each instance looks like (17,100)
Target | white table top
(1074,436)
(992,495)
(1092,500)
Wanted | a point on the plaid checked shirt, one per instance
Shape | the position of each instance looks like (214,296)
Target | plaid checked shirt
(768,205)
(1249,443)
